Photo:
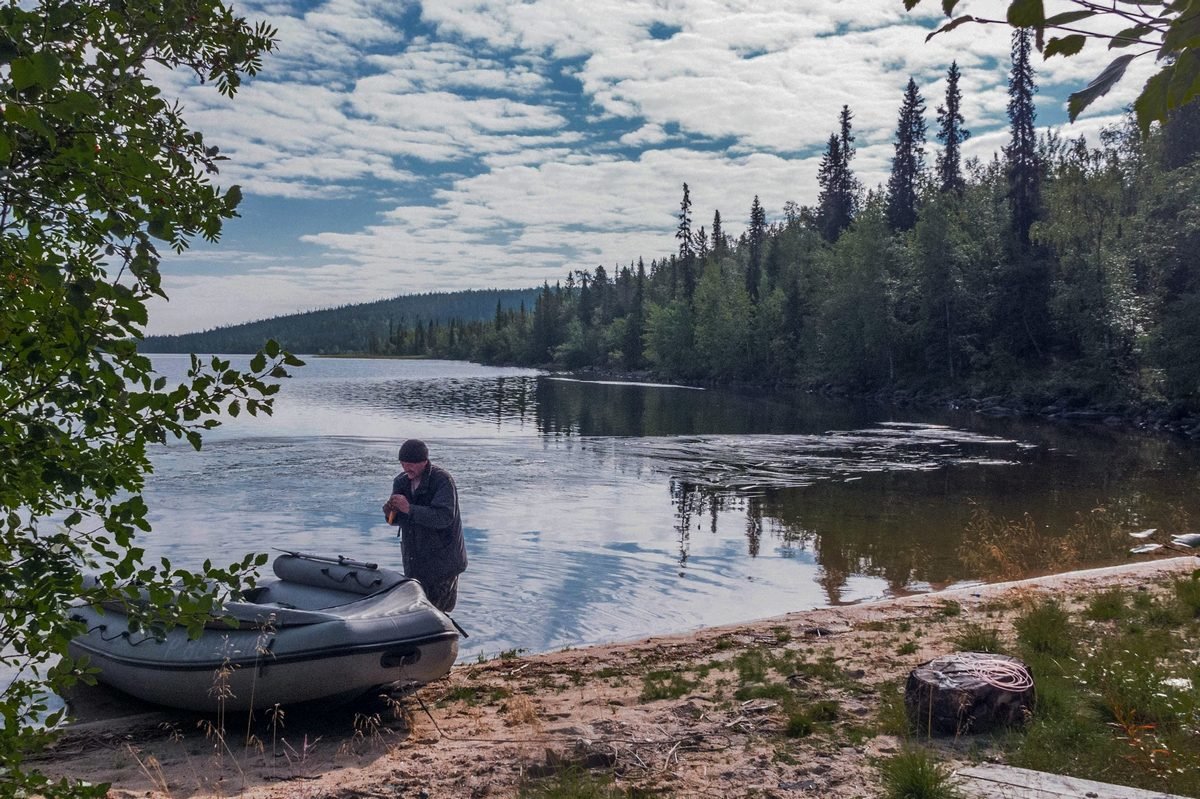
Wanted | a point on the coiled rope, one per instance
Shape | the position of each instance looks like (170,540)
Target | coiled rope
(999,672)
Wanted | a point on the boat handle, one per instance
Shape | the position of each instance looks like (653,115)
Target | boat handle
(350,575)
(400,657)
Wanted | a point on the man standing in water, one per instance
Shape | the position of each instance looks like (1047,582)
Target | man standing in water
(424,503)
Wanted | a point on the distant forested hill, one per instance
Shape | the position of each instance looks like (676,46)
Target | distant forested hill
(364,328)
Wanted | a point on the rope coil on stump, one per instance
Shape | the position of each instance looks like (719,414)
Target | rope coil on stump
(998,672)
(967,692)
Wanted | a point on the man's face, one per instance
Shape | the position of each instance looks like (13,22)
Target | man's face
(413,470)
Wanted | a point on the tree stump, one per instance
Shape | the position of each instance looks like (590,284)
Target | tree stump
(968,692)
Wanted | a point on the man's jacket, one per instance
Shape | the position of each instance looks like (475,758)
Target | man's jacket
(431,532)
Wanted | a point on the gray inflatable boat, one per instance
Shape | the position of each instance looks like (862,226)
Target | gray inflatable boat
(326,629)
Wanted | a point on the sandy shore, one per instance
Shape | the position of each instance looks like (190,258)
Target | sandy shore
(489,728)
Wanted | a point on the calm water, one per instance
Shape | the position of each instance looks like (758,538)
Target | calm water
(598,512)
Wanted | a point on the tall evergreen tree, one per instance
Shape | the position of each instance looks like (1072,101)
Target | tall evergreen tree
(718,235)
(687,254)
(908,162)
(773,263)
(839,188)
(830,213)
(635,321)
(951,134)
(846,137)
(585,306)
(756,239)
(545,321)
(1021,153)
(683,233)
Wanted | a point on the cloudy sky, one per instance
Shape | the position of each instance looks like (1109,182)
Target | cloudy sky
(396,147)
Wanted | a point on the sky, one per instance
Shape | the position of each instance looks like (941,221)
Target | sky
(392,147)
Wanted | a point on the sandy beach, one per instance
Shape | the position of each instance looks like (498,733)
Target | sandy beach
(491,728)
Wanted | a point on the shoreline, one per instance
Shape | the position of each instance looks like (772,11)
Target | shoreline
(649,711)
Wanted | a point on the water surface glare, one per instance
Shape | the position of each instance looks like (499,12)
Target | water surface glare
(599,511)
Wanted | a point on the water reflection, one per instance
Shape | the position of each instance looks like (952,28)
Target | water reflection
(501,401)
(598,512)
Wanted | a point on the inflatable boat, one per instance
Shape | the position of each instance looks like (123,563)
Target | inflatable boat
(326,629)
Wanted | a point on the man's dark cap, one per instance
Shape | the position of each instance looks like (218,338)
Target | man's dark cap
(414,451)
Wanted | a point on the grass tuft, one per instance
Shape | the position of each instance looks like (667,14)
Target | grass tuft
(978,638)
(1045,629)
(665,685)
(572,783)
(1187,592)
(950,608)
(1107,606)
(915,774)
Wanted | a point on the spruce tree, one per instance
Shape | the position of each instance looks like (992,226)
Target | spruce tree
(839,189)
(683,233)
(951,134)
(829,211)
(845,137)
(1021,154)
(635,320)
(718,235)
(908,162)
(756,239)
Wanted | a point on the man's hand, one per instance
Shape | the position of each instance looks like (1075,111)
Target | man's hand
(397,503)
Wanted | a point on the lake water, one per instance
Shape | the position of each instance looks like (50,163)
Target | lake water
(598,512)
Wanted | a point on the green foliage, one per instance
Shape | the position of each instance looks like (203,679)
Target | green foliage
(1168,30)
(858,324)
(914,774)
(670,339)
(100,171)
(1093,299)
(724,330)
